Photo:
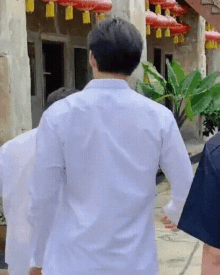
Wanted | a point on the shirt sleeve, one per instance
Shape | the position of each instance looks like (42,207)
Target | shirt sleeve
(45,184)
(176,165)
(201,213)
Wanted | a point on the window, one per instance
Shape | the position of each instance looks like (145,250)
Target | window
(157,59)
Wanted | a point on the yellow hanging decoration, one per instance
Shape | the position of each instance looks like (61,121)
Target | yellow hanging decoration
(147,5)
(209,45)
(50,9)
(175,39)
(86,17)
(69,13)
(167,12)
(206,44)
(158,33)
(215,45)
(212,45)
(207,27)
(211,28)
(29,5)
(158,9)
(101,16)
(181,38)
(167,32)
(148,30)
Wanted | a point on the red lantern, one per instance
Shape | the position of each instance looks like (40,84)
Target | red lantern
(87,6)
(69,4)
(178,10)
(50,9)
(169,4)
(103,7)
(162,23)
(212,38)
(179,30)
(151,19)
(158,4)
(170,23)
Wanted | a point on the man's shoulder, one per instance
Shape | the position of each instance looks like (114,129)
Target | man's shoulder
(213,143)
(212,148)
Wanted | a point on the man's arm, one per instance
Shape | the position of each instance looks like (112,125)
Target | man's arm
(44,187)
(210,260)
(175,163)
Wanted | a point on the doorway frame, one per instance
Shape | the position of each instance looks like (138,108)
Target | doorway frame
(44,37)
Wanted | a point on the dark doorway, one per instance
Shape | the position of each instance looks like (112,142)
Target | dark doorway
(157,59)
(31,55)
(53,59)
(81,68)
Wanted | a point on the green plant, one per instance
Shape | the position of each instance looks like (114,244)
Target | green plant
(211,121)
(189,95)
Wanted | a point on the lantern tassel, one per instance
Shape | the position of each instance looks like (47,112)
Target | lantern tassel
(167,32)
(86,17)
(209,45)
(50,9)
(206,44)
(29,5)
(69,13)
(158,9)
(147,5)
(148,30)
(167,12)
(101,16)
(212,45)
(175,39)
(158,33)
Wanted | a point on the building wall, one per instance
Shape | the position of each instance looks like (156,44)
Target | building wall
(191,55)
(165,44)
(73,34)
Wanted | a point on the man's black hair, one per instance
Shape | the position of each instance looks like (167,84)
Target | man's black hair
(116,45)
(58,94)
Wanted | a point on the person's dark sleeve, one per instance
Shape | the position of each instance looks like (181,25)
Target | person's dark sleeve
(201,214)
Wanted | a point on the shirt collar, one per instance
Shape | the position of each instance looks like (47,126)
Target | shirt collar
(110,84)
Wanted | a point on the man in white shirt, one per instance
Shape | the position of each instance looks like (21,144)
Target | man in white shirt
(16,164)
(108,142)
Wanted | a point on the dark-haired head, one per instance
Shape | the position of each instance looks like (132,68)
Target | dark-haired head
(116,46)
(59,94)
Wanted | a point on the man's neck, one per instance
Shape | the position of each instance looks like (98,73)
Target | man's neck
(99,75)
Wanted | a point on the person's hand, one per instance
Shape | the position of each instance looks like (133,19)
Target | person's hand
(35,271)
(169,224)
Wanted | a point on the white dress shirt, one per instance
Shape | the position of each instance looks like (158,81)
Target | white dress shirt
(16,164)
(108,140)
